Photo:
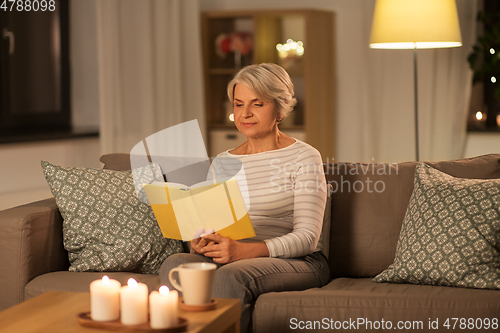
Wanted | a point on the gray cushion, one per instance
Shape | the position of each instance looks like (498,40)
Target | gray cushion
(105,226)
(450,233)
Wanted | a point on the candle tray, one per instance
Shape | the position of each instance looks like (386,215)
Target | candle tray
(116,325)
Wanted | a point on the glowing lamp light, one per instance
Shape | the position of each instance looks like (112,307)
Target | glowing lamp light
(396,24)
(492,51)
(493,79)
(231,117)
(479,115)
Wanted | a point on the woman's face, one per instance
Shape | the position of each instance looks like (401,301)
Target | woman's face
(252,116)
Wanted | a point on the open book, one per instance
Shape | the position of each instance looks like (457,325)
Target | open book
(181,210)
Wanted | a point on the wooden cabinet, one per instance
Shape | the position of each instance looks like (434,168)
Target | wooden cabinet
(312,74)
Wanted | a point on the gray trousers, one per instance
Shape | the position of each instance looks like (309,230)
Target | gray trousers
(247,279)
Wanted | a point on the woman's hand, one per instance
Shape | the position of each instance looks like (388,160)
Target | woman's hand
(224,250)
(198,243)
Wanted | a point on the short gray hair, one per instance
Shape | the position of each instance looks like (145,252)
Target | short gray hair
(270,82)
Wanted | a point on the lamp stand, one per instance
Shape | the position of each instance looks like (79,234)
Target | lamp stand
(415,78)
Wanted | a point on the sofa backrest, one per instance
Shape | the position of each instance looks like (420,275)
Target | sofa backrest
(116,161)
(368,206)
(369,202)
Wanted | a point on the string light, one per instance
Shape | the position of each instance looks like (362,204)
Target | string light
(290,48)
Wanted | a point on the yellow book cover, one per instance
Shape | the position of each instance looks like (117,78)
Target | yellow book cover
(181,210)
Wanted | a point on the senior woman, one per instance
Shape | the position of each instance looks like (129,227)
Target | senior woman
(287,194)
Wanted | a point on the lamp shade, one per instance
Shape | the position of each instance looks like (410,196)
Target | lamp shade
(409,24)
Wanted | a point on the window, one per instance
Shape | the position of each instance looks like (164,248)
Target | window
(485,58)
(34,67)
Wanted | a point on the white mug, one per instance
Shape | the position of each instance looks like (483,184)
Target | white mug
(196,281)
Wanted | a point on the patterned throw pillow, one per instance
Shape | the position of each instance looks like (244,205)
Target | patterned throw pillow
(105,226)
(450,234)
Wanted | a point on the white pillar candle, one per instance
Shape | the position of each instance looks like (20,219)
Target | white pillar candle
(105,299)
(134,303)
(163,308)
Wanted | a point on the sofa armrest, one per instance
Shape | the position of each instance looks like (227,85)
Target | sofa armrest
(31,244)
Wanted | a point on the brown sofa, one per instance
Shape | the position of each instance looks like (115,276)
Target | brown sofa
(368,205)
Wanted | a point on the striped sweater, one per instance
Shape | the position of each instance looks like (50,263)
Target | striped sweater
(285,193)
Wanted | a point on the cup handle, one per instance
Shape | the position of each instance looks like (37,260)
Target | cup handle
(172,279)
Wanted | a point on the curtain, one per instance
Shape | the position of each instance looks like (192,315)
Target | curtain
(445,92)
(387,97)
(150,70)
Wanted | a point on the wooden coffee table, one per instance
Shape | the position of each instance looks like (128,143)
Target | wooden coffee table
(56,311)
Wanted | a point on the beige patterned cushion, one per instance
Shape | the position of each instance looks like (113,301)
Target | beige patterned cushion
(105,226)
(450,234)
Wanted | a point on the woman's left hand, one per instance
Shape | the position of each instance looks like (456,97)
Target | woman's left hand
(225,250)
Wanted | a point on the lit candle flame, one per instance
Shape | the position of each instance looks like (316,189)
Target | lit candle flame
(105,280)
(164,290)
(132,283)
(479,115)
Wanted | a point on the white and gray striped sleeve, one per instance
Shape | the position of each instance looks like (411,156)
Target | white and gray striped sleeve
(310,193)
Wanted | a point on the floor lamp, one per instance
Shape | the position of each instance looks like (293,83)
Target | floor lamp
(415,24)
